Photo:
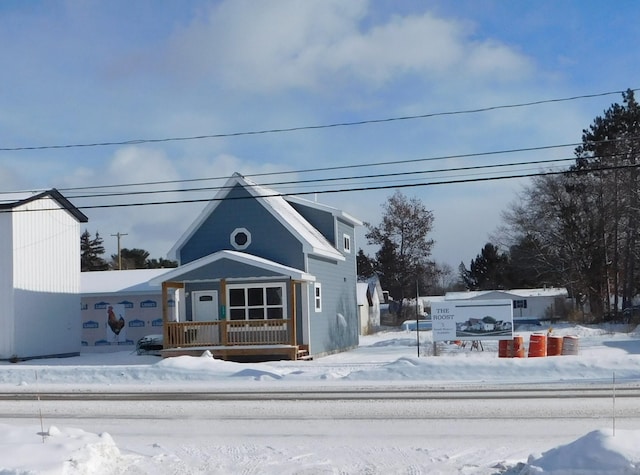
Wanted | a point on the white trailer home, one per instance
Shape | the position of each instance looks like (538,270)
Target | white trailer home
(39,275)
(529,305)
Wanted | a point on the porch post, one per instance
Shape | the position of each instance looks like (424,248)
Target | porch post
(165,317)
(292,290)
(222,311)
(165,311)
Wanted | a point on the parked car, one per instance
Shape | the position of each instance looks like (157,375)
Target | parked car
(149,345)
(423,323)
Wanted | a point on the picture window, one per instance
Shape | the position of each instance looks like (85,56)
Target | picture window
(257,302)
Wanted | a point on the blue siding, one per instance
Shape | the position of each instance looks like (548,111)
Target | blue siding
(336,327)
(195,286)
(330,332)
(224,269)
(269,238)
(323,221)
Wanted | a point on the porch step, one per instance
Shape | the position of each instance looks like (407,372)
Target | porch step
(303,353)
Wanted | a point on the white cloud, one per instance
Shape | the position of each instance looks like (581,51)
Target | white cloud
(277,45)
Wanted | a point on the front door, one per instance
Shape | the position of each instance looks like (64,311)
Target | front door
(205,309)
(205,305)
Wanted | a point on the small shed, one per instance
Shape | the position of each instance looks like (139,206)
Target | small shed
(39,275)
(369,299)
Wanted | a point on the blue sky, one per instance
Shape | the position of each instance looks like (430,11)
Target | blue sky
(81,72)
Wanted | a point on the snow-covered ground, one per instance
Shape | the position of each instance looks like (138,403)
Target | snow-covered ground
(389,358)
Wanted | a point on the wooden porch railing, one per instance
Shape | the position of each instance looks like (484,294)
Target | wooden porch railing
(228,333)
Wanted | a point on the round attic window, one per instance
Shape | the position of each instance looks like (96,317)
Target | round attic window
(240,239)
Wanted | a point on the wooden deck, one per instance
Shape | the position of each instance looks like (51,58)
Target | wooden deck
(241,353)
(233,340)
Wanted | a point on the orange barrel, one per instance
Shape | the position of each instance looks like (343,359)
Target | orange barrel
(554,345)
(537,345)
(505,349)
(570,345)
(518,346)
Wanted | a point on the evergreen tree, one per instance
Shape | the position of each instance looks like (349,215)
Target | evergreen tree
(610,156)
(365,265)
(488,271)
(130,259)
(161,263)
(139,259)
(91,251)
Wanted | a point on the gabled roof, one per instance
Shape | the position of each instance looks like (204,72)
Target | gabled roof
(329,209)
(521,293)
(13,200)
(271,269)
(312,240)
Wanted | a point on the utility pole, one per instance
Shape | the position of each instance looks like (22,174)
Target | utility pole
(119,235)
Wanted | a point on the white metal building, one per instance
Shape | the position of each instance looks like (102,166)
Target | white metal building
(39,275)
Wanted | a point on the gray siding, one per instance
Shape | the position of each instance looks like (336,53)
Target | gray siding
(269,238)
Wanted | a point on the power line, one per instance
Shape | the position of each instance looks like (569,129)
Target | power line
(334,179)
(347,167)
(367,188)
(326,169)
(343,190)
(343,167)
(311,127)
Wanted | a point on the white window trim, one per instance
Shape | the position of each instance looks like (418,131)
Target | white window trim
(346,243)
(317,297)
(246,306)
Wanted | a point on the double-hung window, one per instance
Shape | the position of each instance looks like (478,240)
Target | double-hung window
(317,296)
(346,243)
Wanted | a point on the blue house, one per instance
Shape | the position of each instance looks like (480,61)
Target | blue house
(264,276)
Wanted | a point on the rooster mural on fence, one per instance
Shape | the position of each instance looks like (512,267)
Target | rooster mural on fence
(116,324)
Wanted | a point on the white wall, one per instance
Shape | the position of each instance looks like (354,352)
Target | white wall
(46,257)
(6,286)
(536,304)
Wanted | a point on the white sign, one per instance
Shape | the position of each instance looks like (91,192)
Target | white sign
(472,320)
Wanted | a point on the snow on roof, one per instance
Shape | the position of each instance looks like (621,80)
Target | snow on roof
(313,241)
(120,281)
(293,221)
(14,199)
(361,292)
(323,207)
(236,256)
(523,293)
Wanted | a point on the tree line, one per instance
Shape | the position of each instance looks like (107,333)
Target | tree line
(92,252)
(578,228)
